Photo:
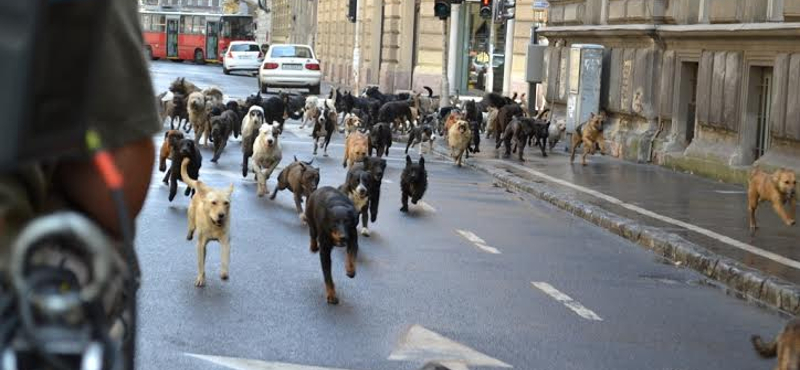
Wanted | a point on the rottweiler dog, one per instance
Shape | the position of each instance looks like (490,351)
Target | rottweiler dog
(413,182)
(359,187)
(380,139)
(185,148)
(332,221)
(302,179)
(221,127)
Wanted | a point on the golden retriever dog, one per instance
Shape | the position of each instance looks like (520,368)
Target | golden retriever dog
(459,136)
(198,116)
(777,188)
(589,133)
(267,154)
(356,148)
(351,123)
(209,214)
(786,347)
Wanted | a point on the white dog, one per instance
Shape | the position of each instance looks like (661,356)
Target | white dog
(267,154)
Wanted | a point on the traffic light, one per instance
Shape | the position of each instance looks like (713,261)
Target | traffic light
(441,8)
(486,9)
(506,9)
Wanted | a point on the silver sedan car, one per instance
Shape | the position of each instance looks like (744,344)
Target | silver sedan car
(290,66)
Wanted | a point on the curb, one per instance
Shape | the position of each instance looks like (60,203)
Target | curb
(744,281)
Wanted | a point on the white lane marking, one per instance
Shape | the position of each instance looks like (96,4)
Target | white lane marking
(730,191)
(387,181)
(249,364)
(722,238)
(424,345)
(572,304)
(480,243)
(427,207)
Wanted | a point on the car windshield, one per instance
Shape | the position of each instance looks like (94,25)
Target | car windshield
(290,52)
(245,47)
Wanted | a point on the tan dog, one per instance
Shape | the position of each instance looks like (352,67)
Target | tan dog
(198,116)
(786,346)
(267,154)
(459,136)
(171,139)
(589,133)
(452,118)
(777,188)
(356,148)
(351,124)
(491,122)
(209,214)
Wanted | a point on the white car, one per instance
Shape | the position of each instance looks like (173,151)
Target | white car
(290,66)
(242,56)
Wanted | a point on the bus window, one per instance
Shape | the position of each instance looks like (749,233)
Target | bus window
(198,24)
(186,24)
(146,21)
(238,28)
(160,23)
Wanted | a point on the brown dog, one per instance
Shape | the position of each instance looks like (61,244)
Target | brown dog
(451,121)
(458,138)
(209,214)
(589,133)
(777,188)
(301,178)
(171,139)
(355,148)
(786,346)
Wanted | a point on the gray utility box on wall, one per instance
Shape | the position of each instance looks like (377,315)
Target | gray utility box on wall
(585,68)
(535,60)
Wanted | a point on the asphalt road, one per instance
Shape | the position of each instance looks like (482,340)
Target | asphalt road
(512,278)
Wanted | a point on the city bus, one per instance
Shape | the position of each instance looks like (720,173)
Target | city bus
(201,37)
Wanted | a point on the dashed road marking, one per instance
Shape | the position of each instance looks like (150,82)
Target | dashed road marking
(249,364)
(427,207)
(567,301)
(722,238)
(480,243)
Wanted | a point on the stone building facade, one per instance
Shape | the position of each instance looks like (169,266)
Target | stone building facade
(706,86)
(294,21)
(400,44)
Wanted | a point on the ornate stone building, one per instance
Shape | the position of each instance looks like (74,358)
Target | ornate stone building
(400,45)
(706,86)
(294,21)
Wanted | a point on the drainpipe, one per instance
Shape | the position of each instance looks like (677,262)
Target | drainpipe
(357,50)
(455,22)
(509,57)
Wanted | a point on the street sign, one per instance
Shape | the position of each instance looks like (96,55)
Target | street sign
(540,4)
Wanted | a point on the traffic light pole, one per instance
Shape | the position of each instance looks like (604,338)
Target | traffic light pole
(445,94)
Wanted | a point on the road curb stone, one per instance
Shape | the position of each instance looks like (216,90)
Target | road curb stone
(743,281)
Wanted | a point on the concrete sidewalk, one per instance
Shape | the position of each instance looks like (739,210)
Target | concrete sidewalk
(690,220)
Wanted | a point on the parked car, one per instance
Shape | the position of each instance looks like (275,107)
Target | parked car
(242,56)
(290,66)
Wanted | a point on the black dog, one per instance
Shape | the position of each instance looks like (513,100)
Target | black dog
(323,129)
(274,108)
(496,100)
(413,182)
(395,113)
(221,127)
(346,102)
(237,124)
(374,93)
(376,167)
(504,117)
(186,148)
(294,104)
(520,130)
(359,187)
(332,221)
(380,139)
(421,134)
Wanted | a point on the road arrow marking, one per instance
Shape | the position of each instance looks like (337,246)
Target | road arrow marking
(427,207)
(423,345)
(480,243)
(248,364)
(566,300)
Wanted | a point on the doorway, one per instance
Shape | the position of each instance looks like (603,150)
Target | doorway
(172,38)
(759,104)
(688,100)
(474,46)
(212,39)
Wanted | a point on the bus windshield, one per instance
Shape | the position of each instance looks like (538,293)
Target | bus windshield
(237,28)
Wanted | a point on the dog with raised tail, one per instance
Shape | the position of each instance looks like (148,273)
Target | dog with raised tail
(209,215)
(267,154)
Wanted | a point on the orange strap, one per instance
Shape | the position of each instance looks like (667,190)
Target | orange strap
(109,171)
